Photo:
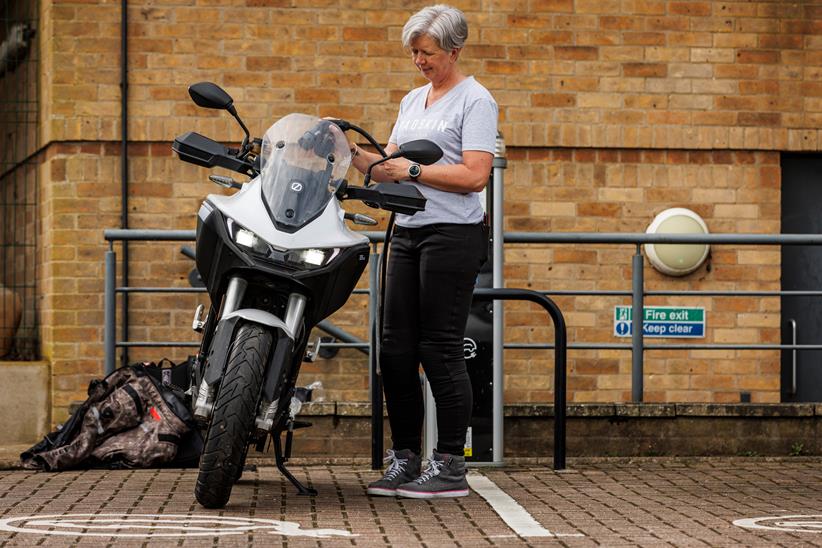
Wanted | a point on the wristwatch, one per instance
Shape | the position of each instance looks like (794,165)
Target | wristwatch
(414,171)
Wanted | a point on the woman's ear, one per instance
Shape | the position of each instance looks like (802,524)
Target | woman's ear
(455,54)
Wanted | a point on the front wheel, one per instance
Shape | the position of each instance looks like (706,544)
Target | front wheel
(233,417)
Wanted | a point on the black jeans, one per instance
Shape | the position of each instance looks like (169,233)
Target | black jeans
(430,280)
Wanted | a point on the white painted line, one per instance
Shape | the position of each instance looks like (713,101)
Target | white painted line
(514,515)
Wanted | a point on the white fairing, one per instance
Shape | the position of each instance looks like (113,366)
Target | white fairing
(292,203)
(260,317)
(247,208)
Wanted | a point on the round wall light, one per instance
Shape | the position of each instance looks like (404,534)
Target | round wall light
(677,259)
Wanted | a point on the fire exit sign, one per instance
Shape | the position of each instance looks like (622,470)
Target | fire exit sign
(662,321)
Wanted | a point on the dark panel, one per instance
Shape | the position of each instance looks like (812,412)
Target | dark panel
(802,270)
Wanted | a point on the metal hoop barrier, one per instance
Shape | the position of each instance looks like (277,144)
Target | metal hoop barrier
(560,356)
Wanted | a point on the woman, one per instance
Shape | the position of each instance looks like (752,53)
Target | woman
(434,257)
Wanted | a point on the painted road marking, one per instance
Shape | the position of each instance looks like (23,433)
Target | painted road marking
(793,524)
(514,515)
(156,525)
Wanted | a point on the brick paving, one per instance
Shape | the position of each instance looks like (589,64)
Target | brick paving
(656,502)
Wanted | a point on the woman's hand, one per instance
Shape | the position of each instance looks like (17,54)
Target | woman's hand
(397,169)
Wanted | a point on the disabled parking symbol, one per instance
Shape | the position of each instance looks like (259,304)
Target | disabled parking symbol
(807,523)
(157,525)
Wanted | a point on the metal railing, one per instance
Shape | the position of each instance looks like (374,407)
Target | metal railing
(637,292)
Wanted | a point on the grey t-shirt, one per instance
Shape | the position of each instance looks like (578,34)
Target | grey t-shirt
(465,118)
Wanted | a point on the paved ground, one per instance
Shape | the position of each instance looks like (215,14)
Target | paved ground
(659,502)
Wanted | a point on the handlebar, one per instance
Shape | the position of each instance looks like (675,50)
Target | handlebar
(202,151)
(346,125)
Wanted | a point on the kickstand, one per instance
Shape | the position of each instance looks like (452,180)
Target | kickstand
(280,460)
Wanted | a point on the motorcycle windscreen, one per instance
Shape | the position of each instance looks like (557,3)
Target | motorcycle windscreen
(303,162)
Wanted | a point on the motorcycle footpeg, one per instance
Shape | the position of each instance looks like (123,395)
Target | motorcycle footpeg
(311,355)
(295,425)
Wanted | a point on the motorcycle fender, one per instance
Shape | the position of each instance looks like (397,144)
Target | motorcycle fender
(224,334)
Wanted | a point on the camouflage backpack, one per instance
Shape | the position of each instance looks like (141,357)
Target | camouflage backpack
(129,420)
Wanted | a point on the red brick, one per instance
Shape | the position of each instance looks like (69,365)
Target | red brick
(316,96)
(692,8)
(759,118)
(551,37)
(267,63)
(630,156)
(645,70)
(759,87)
(758,57)
(367,34)
(780,41)
(620,22)
(643,38)
(552,6)
(268,3)
(576,53)
(553,100)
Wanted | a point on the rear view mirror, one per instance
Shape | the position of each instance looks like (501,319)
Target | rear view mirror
(210,95)
(421,151)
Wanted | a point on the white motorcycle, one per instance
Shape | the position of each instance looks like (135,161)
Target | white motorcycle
(276,258)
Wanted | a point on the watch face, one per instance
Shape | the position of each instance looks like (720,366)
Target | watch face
(414,170)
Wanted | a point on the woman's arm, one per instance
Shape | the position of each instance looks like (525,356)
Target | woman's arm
(470,176)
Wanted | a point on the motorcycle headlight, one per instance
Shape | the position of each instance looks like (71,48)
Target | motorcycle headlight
(249,240)
(311,257)
(304,259)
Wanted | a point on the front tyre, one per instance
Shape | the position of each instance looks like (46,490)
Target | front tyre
(233,417)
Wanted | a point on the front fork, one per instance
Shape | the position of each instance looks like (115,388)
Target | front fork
(294,312)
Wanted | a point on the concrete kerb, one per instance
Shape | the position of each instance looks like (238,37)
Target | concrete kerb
(10,460)
(10,456)
(595,430)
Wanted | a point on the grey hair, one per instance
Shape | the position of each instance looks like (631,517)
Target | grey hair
(445,24)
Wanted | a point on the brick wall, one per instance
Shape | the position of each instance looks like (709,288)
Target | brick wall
(588,73)
(612,111)
(621,190)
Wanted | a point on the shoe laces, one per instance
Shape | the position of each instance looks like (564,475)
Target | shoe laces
(396,467)
(433,469)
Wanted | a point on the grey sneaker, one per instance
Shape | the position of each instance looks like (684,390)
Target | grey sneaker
(403,466)
(443,478)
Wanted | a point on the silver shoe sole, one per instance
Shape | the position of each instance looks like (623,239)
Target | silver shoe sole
(381,492)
